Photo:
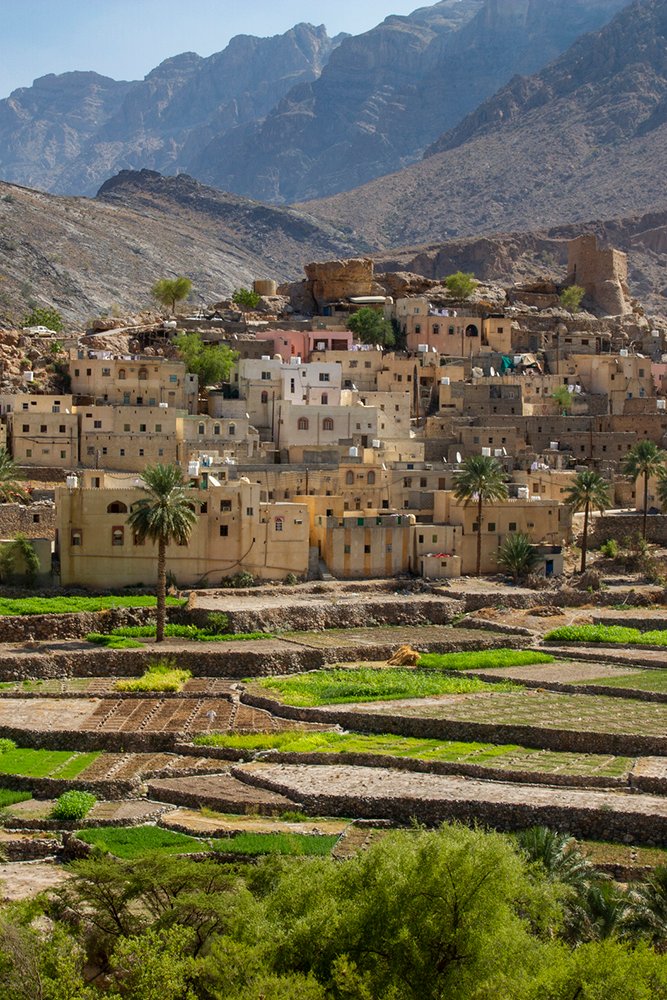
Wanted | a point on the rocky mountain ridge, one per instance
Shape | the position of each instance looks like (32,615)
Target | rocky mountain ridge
(581,139)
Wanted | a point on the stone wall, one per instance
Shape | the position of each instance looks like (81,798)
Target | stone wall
(18,517)
(622,526)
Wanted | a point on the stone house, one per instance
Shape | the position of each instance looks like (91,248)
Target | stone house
(139,381)
(127,438)
(39,437)
(365,545)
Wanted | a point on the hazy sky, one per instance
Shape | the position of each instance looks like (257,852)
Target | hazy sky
(125,39)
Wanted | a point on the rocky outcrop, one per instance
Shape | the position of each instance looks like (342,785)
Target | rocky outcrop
(342,279)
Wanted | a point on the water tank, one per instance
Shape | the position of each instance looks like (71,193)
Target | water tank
(422,347)
(553,445)
(623,352)
(163,406)
(29,376)
(264,286)
(661,404)
(655,333)
(295,361)
(498,453)
(266,357)
(72,482)
(523,493)
(353,452)
(375,443)
(486,452)
(193,468)
(444,380)
(321,346)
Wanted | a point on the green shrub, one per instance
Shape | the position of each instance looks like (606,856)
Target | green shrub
(161,675)
(609,549)
(243,579)
(7,745)
(218,623)
(73,805)
(290,844)
(291,580)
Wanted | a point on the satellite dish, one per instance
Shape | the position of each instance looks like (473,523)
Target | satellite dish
(493,372)
(458,457)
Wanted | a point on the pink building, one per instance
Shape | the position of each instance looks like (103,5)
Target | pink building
(300,343)
(659,373)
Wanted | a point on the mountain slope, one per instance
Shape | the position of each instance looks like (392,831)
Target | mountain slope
(160,122)
(86,256)
(584,138)
(385,95)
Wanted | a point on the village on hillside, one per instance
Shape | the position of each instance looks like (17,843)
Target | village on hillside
(347,409)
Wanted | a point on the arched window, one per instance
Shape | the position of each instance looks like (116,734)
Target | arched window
(265,397)
(76,537)
(117,507)
(325,398)
(418,328)
(279,523)
(202,429)
(327,424)
(143,374)
(232,430)
(371,479)
(122,374)
(303,424)
(117,536)
(451,331)
(472,331)
(349,478)
(436,330)
(216,429)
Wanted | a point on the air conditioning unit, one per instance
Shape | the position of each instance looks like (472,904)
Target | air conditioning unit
(193,468)
(375,443)
(321,346)
(295,361)
(623,352)
(553,445)
(266,357)
(72,482)
(523,493)
(486,452)
(29,376)
(422,347)
(444,381)
(353,452)
(163,406)
(661,404)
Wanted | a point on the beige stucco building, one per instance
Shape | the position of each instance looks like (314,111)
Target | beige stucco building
(138,381)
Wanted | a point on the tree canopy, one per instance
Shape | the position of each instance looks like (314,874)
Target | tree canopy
(370,327)
(211,362)
(644,459)
(480,480)
(50,318)
(245,298)
(461,284)
(589,491)
(169,291)
(571,297)
(517,554)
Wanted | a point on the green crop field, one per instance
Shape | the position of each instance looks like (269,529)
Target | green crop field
(337,686)
(640,680)
(292,844)
(488,659)
(45,763)
(507,757)
(136,841)
(176,632)
(10,798)
(607,634)
(70,605)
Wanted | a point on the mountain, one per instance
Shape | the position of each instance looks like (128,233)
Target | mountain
(584,138)
(384,96)
(68,133)
(86,256)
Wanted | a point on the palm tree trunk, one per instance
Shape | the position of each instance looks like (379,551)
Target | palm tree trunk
(479,537)
(645,504)
(161,588)
(584,544)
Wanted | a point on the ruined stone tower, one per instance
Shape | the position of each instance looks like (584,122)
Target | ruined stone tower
(602,273)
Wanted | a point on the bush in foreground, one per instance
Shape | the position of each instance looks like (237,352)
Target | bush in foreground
(73,805)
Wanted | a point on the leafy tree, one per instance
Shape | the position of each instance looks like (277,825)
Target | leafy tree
(462,284)
(56,347)
(164,514)
(588,491)
(49,318)
(480,480)
(517,554)
(169,291)
(245,298)
(370,327)
(11,476)
(154,966)
(563,397)
(571,297)
(20,548)
(211,362)
(644,459)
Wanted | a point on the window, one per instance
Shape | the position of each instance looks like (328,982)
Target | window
(117,507)
(126,398)
(104,451)
(203,509)
(45,451)
(279,524)
(172,378)
(26,428)
(143,374)
(434,539)
(232,430)
(117,536)
(141,453)
(265,397)
(346,550)
(407,483)
(327,424)
(122,374)
(492,525)
(76,537)
(475,526)
(324,376)
(291,385)
(142,427)
(89,371)
(76,372)
(201,429)
(266,376)
(418,328)
(55,409)
(90,450)
(512,526)
(475,440)
(422,483)
(367,548)
(349,478)
(451,331)
(226,506)
(138,541)
(28,453)
(160,451)
(97,423)
(106,373)
(63,454)
(370,479)
(325,399)
(249,512)
(62,429)
(536,487)
(640,373)
(303,424)
(436,330)
(224,530)
(122,452)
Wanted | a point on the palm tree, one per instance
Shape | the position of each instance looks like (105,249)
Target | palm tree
(517,554)
(165,513)
(589,490)
(647,917)
(644,459)
(10,480)
(481,479)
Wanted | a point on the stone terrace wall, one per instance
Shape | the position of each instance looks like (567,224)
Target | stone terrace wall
(17,517)
(622,526)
